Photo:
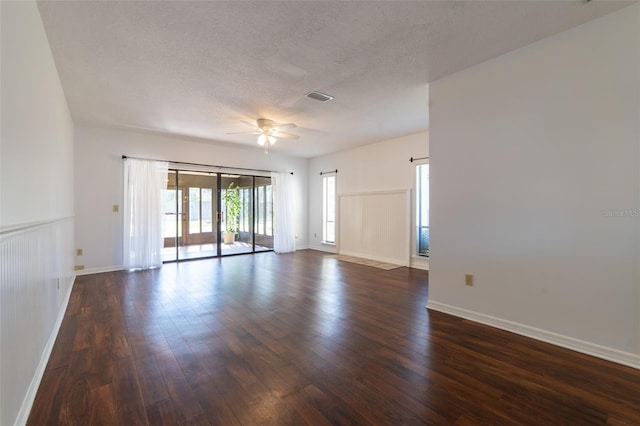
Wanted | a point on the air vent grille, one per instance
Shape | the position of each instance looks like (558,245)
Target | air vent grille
(322,97)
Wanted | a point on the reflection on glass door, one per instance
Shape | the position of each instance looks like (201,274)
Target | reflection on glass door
(237,189)
(264,214)
(194,226)
(189,226)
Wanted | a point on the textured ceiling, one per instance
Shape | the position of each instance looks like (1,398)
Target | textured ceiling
(197,68)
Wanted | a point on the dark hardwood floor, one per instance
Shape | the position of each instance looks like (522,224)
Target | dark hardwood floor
(306,339)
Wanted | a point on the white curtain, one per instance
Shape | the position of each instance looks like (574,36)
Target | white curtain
(143,184)
(284,239)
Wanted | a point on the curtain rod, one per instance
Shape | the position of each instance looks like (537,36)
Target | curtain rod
(201,165)
(416,159)
(330,171)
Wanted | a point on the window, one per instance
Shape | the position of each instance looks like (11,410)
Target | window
(245,210)
(264,210)
(194,211)
(260,214)
(422,212)
(269,225)
(329,209)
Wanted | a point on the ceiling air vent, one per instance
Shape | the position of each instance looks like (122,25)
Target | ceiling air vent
(322,97)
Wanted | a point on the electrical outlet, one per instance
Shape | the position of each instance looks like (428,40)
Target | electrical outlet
(468,279)
(78,267)
(116,208)
(79,252)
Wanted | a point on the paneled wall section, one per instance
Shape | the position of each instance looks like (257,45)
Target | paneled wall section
(375,225)
(35,284)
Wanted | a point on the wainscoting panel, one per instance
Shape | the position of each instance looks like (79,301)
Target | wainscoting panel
(375,225)
(35,283)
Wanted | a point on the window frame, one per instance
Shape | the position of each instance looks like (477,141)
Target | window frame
(418,209)
(326,214)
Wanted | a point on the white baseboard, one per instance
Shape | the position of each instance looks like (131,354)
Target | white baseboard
(100,270)
(419,266)
(30,396)
(324,247)
(599,351)
(376,258)
(420,263)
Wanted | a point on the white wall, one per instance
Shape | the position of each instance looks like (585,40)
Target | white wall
(37,131)
(535,189)
(99,182)
(383,166)
(36,207)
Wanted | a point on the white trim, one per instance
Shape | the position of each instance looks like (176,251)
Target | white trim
(20,227)
(324,248)
(100,270)
(599,351)
(30,396)
(376,258)
(420,262)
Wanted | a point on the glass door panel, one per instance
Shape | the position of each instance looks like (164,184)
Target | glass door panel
(236,226)
(171,218)
(199,219)
(264,214)
(199,238)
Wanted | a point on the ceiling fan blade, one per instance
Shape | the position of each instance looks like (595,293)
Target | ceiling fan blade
(250,124)
(282,135)
(244,133)
(284,126)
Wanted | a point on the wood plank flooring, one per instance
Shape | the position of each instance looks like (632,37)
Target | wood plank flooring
(306,339)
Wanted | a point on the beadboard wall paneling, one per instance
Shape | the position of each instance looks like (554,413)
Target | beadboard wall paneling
(375,225)
(35,282)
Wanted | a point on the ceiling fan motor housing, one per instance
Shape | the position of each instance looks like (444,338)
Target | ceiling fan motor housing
(265,124)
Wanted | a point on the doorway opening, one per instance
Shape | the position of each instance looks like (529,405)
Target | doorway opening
(196,216)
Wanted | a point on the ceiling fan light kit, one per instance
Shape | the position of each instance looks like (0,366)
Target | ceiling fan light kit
(269,131)
(263,138)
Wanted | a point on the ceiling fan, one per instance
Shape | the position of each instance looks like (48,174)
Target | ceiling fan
(268,132)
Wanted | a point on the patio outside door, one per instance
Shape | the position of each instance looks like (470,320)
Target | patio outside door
(195,215)
(190,228)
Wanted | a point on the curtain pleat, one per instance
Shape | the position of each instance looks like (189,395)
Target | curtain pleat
(143,184)
(284,239)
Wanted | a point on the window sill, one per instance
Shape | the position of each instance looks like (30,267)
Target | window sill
(327,243)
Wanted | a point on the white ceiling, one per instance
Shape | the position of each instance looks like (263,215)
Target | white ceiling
(197,68)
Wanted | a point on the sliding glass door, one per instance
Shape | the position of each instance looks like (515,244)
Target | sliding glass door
(212,214)
(263,214)
(189,226)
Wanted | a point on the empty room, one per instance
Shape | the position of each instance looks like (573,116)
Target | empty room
(320,212)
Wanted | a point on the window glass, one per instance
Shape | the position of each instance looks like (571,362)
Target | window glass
(329,209)
(194,210)
(422,212)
